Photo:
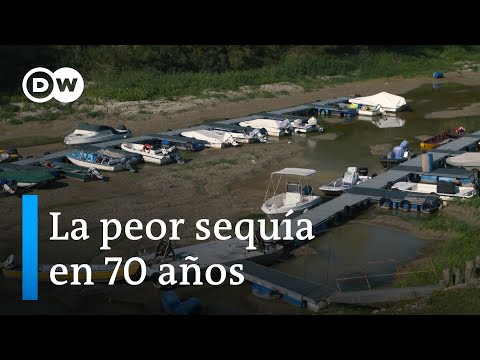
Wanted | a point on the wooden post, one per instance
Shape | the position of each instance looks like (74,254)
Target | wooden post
(456,274)
(446,277)
(468,271)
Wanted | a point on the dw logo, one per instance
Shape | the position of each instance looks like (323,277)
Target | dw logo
(65,85)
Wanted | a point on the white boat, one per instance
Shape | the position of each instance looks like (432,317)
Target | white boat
(104,160)
(311,125)
(352,177)
(238,137)
(91,133)
(298,195)
(213,139)
(160,156)
(383,101)
(447,192)
(274,127)
(468,160)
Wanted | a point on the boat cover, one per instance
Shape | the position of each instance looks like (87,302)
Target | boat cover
(469,159)
(385,100)
(94,127)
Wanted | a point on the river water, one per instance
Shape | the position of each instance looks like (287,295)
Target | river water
(353,249)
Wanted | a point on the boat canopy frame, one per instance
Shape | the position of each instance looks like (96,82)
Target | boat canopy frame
(288,174)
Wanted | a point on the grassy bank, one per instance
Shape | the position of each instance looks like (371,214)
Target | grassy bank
(305,70)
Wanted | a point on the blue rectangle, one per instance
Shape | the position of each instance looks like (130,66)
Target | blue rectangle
(30,247)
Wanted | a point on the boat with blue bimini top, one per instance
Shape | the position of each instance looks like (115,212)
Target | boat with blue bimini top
(298,196)
(104,160)
(87,133)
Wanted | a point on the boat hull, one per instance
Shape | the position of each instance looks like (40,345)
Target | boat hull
(148,157)
(280,212)
(80,140)
(85,164)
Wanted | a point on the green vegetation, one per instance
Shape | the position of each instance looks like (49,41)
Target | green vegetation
(142,72)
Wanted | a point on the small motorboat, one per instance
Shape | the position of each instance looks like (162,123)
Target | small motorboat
(468,160)
(445,190)
(9,155)
(150,154)
(352,177)
(104,160)
(28,176)
(91,133)
(441,139)
(8,187)
(311,125)
(274,127)
(398,155)
(212,138)
(100,273)
(298,195)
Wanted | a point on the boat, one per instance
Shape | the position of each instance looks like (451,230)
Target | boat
(274,127)
(9,155)
(100,273)
(298,195)
(154,155)
(468,160)
(104,160)
(28,176)
(442,139)
(353,176)
(382,101)
(87,133)
(445,190)
(398,155)
(247,136)
(73,171)
(8,187)
(311,125)
(212,139)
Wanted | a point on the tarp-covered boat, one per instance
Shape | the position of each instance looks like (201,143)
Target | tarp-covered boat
(383,100)
(273,127)
(28,176)
(212,138)
(311,125)
(468,160)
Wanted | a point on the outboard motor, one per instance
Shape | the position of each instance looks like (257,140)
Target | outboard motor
(94,173)
(350,177)
(260,134)
(228,138)
(126,165)
(8,186)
